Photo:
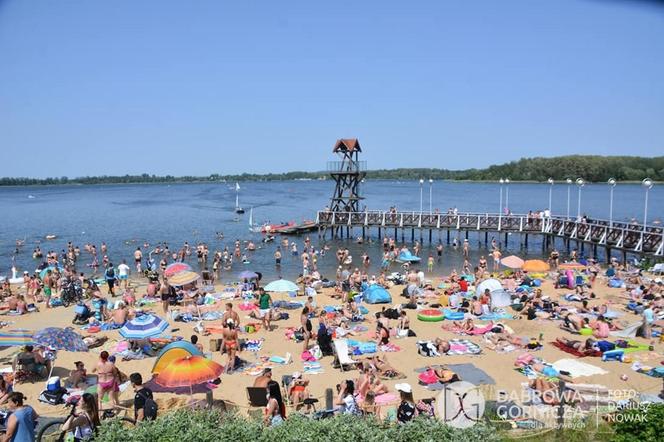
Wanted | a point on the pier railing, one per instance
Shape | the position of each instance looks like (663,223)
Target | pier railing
(620,235)
(346,166)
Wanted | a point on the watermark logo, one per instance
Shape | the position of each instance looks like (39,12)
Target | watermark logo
(460,404)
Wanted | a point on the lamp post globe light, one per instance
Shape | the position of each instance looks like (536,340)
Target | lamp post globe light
(580,183)
(569,187)
(500,204)
(421,183)
(612,183)
(507,196)
(550,181)
(430,196)
(647,183)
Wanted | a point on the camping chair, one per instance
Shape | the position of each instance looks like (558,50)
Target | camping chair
(257,396)
(27,370)
(341,354)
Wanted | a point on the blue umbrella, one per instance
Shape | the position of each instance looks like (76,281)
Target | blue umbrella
(144,326)
(42,274)
(281,285)
(60,339)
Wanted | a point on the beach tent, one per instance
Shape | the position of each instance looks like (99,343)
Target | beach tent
(500,298)
(376,294)
(173,351)
(492,284)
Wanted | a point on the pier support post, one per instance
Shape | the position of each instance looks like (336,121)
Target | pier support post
(430,235)
(448,237)
(486,239)
(526,240)
(506,237)
(608,254)
(412,235)
(379,233)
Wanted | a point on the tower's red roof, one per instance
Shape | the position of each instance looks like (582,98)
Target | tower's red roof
(347,145)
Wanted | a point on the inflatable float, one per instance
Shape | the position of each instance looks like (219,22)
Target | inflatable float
(406,256)
(451,315)
(430,315)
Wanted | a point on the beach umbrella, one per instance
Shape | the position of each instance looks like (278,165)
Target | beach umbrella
(16,338)
(183,278)
(247,275)
(173,351)
(42,274)
(175,268)
(492,284)
(188,372)
(281,285)
(60,339)
(512,262)
(571,266)
(535,265)
(143,326)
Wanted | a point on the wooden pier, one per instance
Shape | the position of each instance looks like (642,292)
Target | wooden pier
(620,236)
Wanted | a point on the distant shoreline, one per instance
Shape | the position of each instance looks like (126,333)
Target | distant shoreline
(592,168)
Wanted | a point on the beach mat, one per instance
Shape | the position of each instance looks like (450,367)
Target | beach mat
(578,368)
(574,351)
(470,373)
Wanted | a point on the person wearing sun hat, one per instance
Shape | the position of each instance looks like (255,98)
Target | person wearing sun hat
(297,390)
(407,410)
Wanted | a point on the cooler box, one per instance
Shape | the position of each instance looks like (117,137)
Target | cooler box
(53,384)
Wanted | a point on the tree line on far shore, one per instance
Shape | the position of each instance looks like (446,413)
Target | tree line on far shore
(592,168)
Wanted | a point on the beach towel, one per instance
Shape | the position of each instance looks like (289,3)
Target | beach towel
(577,368)
(495,316)
(470,373)
(463,347)
(575,352)
(386,398)
(627,332)
(390,348)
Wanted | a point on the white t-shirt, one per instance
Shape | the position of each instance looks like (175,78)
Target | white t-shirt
(123,269)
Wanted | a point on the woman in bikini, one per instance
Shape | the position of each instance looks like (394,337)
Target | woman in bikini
(230,344)
(107,381)
(382,334)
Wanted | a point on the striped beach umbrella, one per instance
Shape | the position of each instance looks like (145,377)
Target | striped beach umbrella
(16,338)
(175,268)
(189,371)
(60,339)
(144,326)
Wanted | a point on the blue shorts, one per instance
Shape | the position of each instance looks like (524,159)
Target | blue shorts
(123,277)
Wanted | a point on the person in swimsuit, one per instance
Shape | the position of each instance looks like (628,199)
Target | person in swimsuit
(275,410)
(382,334)
(48,287)
(404,325)
(298,391)
(165,292)
(230,344)
(85,419)
(107,382)
(306,328)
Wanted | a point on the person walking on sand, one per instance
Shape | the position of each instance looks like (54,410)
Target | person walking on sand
(430,263)
(230,344)
(138,257)
(111,278)
(107,381)
(496,259)
(165,291)
(123,273)
(264,308)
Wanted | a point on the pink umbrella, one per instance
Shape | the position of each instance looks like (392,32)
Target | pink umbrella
(176,267)
(512,261)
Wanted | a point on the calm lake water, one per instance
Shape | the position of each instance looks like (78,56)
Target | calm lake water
(126,216)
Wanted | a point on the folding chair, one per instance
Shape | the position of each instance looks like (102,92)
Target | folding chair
(257,396)
(341,354)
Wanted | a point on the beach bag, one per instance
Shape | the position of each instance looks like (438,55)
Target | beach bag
(55,397)
(151,408)
(428,377)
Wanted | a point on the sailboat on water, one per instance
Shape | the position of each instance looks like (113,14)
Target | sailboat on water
(238,209)
(255,228)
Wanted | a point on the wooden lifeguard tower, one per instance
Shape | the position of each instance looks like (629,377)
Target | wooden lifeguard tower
(347,174)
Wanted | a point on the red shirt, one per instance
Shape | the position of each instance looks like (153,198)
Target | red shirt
(463,285)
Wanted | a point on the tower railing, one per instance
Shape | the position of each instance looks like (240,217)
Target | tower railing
(346,166)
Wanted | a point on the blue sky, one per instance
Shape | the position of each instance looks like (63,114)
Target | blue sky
(114,87)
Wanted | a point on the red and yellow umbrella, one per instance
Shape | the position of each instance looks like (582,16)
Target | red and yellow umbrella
(189,371)
(535,266)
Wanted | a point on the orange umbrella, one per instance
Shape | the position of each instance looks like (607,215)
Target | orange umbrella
(571,266)
(535,265)
(189,371)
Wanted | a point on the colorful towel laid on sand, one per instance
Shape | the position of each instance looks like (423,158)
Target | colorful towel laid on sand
(361,348)
(386,398)
(465,372)
(253,344)
(313,368)
(577,368)
(496,316)
(574,351)
(477,330)
(457,347)
(390,348)
(463,347)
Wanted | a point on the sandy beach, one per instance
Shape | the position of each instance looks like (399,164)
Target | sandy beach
(232,390)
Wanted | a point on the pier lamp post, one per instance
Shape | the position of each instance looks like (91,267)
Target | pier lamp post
(569,187)
(612,184)
(421,184)
(579,182)
(430,196)
(550,181)
(647,183)
(507,196)
(500,205)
